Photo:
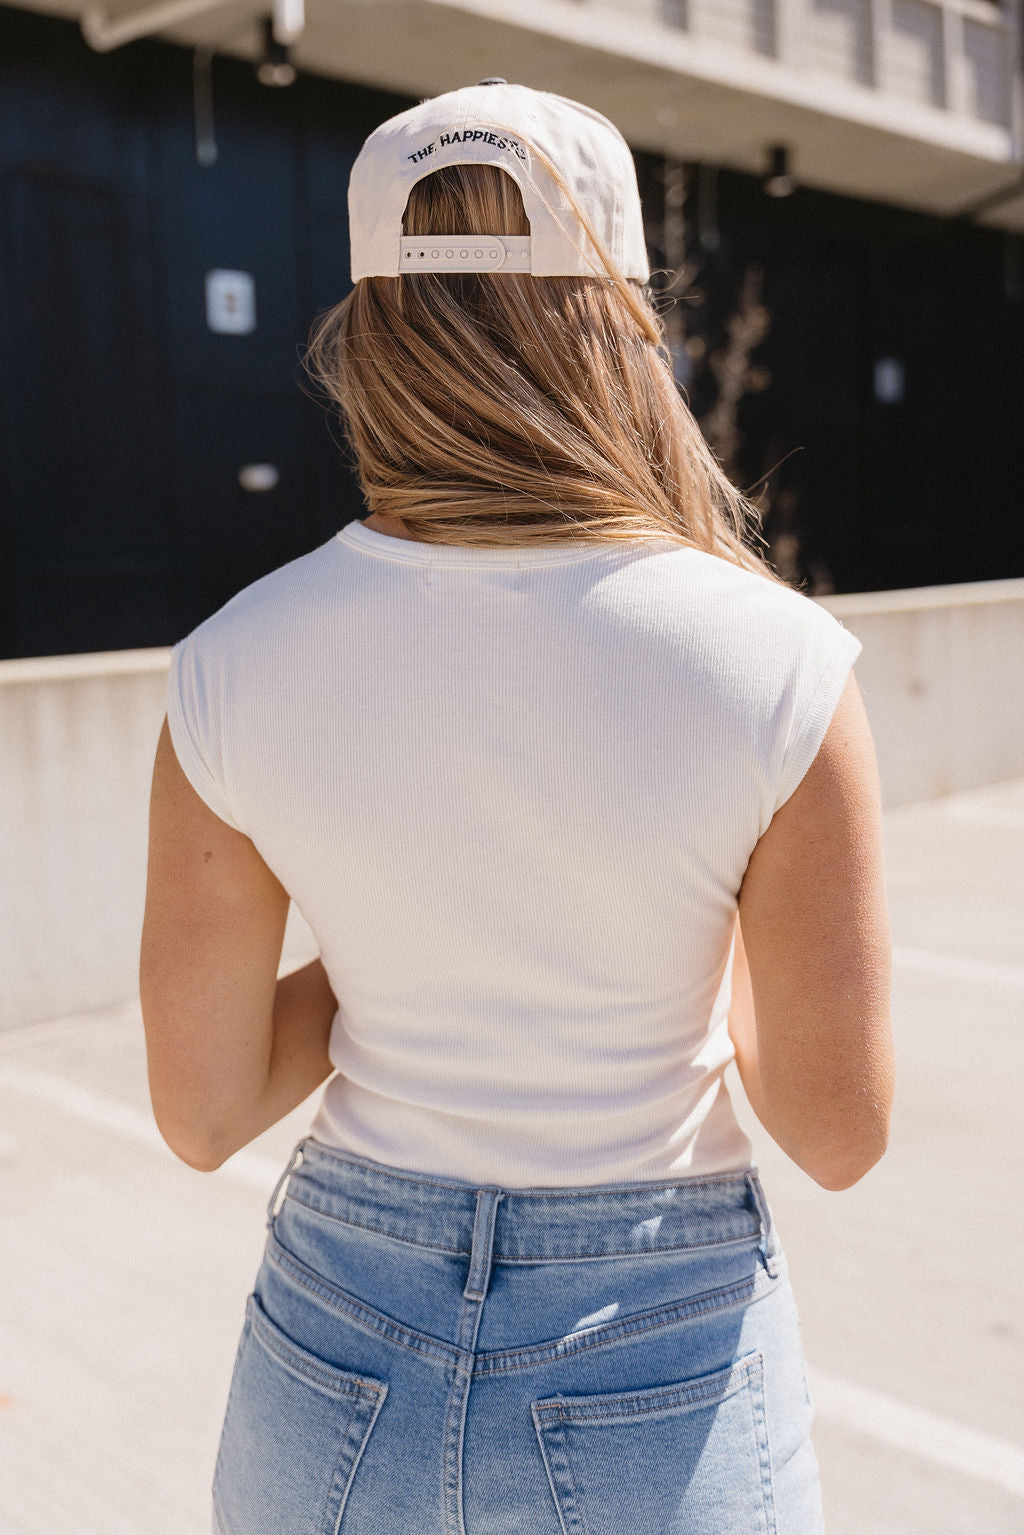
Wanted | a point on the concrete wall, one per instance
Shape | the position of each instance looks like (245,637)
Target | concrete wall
(942,674)
(77,737)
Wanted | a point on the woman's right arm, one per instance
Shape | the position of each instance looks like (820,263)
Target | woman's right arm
(812,969)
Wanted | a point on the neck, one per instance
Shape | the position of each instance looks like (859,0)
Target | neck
(389,525)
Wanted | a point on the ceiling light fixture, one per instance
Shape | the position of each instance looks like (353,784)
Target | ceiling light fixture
(778,182)
(275,66)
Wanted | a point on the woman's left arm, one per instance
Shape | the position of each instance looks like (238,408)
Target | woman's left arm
(230,1048)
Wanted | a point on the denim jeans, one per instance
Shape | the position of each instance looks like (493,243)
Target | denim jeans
(423,1357)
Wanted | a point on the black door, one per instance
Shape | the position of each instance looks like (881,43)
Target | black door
(150,465)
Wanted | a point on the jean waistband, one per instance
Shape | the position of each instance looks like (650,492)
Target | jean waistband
(529,1225)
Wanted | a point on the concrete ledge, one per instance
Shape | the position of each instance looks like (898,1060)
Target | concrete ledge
(100,663)
(77,738)
(958,594)
(941,672)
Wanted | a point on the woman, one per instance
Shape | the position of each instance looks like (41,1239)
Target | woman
(580,802)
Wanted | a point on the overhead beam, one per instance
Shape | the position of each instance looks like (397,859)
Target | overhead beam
(103,35)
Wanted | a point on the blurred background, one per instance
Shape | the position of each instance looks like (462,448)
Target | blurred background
(834,201)
(835,183)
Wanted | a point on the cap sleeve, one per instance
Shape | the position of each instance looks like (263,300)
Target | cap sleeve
(820,686)
(193,717)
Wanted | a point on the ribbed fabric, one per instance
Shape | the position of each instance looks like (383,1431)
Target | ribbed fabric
(514,793)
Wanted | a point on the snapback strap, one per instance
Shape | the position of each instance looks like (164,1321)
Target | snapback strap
(464,253)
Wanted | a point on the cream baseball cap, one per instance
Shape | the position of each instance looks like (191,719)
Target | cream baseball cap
(516,128)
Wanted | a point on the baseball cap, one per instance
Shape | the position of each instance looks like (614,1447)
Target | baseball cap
(524,132)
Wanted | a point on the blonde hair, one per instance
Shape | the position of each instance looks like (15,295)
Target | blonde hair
(508,409)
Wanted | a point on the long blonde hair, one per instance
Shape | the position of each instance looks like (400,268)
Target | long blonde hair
(507,409)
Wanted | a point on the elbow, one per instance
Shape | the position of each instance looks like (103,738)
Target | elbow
(850,1136)
(836,1182)
(198,1129)
(842,1173)
(201,1156)
(201,1163)
(200,1159)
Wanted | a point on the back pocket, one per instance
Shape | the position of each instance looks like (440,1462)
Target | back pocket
(294,1430)
(686,1459)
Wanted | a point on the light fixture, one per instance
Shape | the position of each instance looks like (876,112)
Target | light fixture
(275,66)
(778,182)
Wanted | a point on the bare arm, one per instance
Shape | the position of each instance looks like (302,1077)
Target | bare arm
(811,1012)
(230,1048)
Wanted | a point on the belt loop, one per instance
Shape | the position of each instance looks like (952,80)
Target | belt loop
(764,1215)
(483,1243)
(271,1212)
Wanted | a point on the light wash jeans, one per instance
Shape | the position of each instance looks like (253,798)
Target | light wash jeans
(422,1357)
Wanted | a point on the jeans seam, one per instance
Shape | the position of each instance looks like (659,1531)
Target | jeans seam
(694,1394)
(507,1361)
(630,1252)
(462,1252)
(318,1372)
(359,1314)
(344,1220)
(763,1435)
(331,1484)
(244,1337)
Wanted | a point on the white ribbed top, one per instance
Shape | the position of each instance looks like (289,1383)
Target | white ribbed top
(513,793)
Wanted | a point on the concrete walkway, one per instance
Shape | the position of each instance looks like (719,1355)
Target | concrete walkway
(124,1273)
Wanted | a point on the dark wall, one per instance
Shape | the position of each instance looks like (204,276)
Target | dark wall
(883,495)
(124,420)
